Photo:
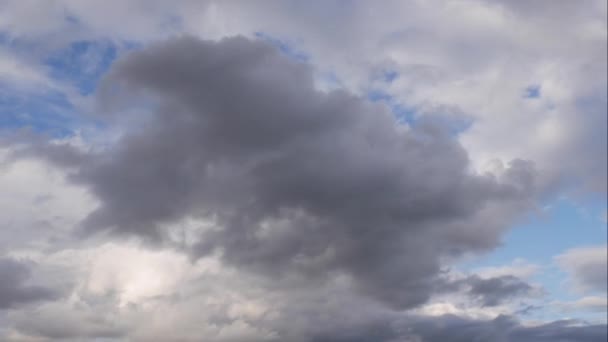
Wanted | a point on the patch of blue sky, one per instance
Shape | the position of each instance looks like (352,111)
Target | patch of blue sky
(329,81)
(454,124)
(378,95)
(4,38)
(562,225)
(389,76)
(82,64)
(285,47)
(47,112)
(402,113)
(532,92)
(384,76)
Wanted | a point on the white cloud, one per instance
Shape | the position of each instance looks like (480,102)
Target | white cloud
(38,205)
(519,268)
(17,73)
(590,303)
(121,288)
(134,274)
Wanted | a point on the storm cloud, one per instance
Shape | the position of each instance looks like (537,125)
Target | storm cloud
(291,180)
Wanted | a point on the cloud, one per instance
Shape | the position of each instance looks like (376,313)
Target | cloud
(122,290)
(504,328)
(222,304)
(294,180)
(462,294)
(14,290)
(493,291)
(519,268)
(590,303)
(586,267)
(39,207)
(16,73)
(309,207)
(464,56)
(58,321)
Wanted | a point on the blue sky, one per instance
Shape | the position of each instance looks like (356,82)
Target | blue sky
(561,225)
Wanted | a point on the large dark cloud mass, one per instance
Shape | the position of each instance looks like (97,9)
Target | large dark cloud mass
(291,187)
(295,181)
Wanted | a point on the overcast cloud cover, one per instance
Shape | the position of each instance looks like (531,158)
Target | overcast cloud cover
(302,171)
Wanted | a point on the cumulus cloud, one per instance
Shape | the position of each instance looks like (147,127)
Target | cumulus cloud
(294,180)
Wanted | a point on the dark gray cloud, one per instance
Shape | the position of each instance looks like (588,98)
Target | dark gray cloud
(14,289)
(494,291)
(488,291)
(296,181)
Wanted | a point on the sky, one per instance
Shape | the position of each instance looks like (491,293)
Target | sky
(319,171)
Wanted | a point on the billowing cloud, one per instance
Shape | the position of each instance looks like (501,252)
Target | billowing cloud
(292,179)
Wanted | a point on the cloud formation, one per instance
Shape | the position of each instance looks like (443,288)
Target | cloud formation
(227,191)
(293,180)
